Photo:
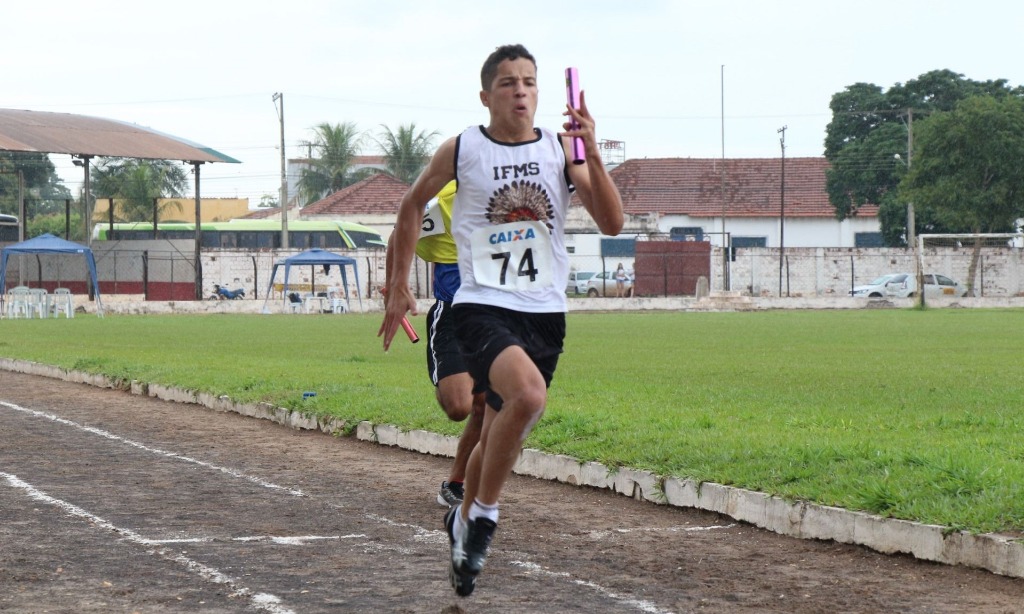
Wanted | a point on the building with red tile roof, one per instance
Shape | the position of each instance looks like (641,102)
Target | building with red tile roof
(663,197)
(372,202)
(660,194)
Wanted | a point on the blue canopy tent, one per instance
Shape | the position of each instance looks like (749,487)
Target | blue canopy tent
(49,244)
(312,258)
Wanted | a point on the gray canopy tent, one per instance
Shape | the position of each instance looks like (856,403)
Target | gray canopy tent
(49,244)
(313,258)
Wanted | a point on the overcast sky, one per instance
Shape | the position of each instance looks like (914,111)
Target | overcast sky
(652,70)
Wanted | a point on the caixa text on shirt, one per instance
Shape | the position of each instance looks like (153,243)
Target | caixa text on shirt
(512,235)
(514,171)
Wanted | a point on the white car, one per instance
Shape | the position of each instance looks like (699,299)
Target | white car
(904,285)
(577,283)
(603,284)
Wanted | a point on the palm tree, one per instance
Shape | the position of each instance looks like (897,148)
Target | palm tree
(336,145)
(406,153)
(137,182)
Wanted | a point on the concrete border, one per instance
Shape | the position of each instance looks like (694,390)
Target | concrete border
(996,553)
(717,301)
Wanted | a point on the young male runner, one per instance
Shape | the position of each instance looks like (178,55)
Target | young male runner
(514,185)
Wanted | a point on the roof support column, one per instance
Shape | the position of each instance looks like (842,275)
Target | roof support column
(83,161)
(199,235)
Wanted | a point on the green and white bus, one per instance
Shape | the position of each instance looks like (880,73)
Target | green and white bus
(250,234)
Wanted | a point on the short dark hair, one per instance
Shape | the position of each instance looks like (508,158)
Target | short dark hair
(505,52)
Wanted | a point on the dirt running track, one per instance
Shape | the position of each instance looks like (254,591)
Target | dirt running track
(117,503)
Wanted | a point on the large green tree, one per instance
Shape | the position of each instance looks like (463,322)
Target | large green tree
(870,127)
(137,182)
(334,146)
(967,172)
(405,151)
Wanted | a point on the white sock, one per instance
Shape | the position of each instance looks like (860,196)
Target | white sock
(458,526)
(478,510)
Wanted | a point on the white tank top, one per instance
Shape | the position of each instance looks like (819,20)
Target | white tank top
(508,221)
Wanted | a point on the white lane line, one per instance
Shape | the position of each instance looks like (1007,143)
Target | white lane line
(606,533)
(422,534)
(298,540)
(262,601)
(145,448)
(639,604)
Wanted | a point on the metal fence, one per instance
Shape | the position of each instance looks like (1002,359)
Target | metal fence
(831,272)
(166,272)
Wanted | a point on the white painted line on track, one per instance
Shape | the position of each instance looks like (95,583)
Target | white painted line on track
(262,601)
(432,535)
(269,602)
(606,533)
(145,448)
(639,604)
(298,540)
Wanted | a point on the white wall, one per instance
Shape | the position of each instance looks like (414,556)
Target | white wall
(799,232)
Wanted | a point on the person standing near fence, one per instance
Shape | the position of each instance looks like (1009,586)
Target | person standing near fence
(508,220)
(620,281)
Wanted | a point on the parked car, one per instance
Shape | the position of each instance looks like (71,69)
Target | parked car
(578,282)
(603,284)
(903,285)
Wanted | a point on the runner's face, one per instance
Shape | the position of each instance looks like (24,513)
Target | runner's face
(513,93)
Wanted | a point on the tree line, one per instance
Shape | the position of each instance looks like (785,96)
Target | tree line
(948,145)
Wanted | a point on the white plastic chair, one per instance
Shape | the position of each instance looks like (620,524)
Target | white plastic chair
(339,304)
(38,302)
(18,303)
(62,302)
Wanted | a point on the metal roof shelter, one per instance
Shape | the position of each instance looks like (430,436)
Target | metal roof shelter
(85,137)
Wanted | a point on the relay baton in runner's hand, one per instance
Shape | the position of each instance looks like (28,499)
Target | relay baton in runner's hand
(409,330)
(572,96)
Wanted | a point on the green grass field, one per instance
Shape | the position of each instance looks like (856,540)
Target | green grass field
(913,414)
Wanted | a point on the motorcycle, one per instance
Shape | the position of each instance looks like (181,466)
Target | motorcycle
(222,293)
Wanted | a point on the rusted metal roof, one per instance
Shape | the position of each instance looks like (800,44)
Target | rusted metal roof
(81,135)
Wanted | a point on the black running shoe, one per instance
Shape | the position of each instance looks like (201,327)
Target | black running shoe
(461,582)
(476,539)
(451,494)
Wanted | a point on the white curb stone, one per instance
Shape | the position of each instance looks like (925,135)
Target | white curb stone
(596,475)
(366,432)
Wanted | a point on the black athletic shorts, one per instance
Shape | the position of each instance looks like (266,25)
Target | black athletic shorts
(484,332)
(443,356)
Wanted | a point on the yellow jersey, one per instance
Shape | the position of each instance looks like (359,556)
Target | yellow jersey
(436,243)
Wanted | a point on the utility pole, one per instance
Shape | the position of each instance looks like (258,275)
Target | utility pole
(910,152)
(284,177)
(22,218)
(782,207)
(726,247)
(911,222)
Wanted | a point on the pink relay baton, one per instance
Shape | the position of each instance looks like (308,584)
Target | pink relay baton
(572,96)
(409,330)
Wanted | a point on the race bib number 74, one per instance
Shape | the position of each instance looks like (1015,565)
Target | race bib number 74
(515,257)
